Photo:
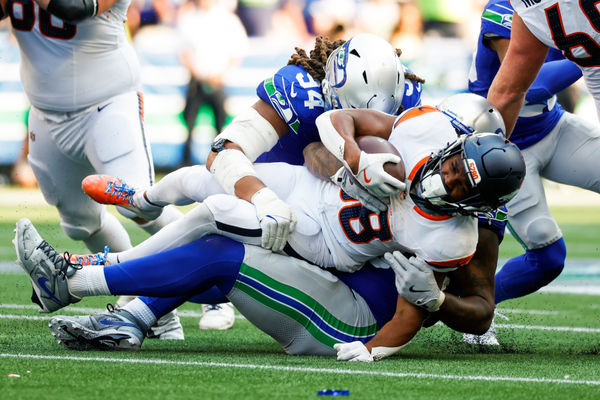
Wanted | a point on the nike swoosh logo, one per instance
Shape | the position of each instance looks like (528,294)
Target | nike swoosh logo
(117,323)
(293,93)
(367,180)
(42,282)
(412,289)
(100,108)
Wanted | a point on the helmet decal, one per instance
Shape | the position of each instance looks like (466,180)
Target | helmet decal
(364,72)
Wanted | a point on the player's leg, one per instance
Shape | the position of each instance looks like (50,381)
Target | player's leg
(221,214)
(574,161)
(57,157)
(181,187)
(303,307)
(116,144)
(533,225)
(193,268)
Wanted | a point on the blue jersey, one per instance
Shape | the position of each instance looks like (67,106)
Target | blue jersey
(538,118)
(495,221)
(297,98)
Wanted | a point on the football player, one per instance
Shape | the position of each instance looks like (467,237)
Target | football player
(81,77)
(450,178)
(363,72)
(567,25)
(556,145)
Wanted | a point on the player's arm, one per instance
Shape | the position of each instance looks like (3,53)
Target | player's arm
(553,77)
(250,134)
(390,339)
(473,311)
(75,10)
(523,60)
(338,130)
(321,163)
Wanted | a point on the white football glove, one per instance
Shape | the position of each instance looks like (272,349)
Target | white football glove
(373,178)
(353,351)
(277,219)
(415,281)
(344,179)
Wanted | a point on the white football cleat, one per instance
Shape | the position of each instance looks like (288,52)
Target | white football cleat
(217,317)
(489,338)
(168,327)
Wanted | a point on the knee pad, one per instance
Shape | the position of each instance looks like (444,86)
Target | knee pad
(541,232)
(78,232)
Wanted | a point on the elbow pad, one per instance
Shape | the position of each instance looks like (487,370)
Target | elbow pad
(73,10)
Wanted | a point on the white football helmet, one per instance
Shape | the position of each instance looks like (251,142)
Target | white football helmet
(471,113)
(364,72)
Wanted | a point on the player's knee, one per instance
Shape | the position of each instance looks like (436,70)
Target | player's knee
(78,232)
(541,232)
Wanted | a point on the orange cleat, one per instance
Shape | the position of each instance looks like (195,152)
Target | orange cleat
(105,189)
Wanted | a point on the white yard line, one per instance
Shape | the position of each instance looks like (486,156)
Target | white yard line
(191,313)
(310,370)
(90,310)
(500,326)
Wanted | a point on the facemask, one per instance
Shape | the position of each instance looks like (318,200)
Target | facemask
(433,189)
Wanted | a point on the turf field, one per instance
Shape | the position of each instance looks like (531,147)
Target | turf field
(550,342)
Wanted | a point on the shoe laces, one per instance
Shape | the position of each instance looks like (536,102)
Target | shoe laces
(120,190)
(61,263)
(213,307)
(112,308)
(91,259)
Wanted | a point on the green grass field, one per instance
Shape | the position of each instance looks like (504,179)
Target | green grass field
(550,344)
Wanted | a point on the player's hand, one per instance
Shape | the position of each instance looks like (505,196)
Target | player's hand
(353,351)
(373,178)
(344,179)
(415,281)
(277,219)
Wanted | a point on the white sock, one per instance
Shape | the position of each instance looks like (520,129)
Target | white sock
(140,200)
(141,311)
(89,281)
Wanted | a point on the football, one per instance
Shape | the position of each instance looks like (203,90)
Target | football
(374,144)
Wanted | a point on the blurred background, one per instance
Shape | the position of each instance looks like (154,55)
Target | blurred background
(238,44)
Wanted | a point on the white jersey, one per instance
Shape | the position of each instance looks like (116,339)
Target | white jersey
(67,67)
(572,26)
(355,235)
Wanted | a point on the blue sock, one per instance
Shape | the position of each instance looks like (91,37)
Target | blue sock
(529,272)
(181,272)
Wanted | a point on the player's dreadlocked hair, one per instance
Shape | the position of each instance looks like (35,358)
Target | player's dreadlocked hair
(315,63)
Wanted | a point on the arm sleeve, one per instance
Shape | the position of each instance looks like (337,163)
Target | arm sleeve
(552,78)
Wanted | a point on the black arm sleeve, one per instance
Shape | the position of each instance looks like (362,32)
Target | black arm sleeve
(73,10)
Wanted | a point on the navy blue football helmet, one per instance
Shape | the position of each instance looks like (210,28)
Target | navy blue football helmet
(494,167)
